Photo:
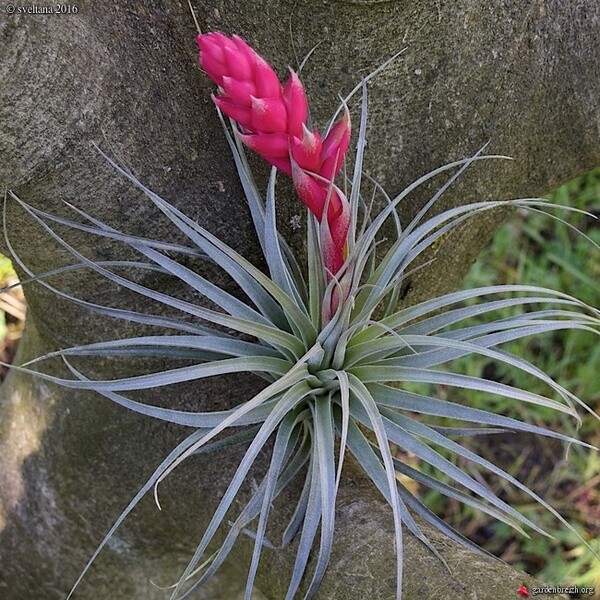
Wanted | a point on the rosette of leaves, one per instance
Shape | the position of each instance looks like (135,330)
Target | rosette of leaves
(329,388)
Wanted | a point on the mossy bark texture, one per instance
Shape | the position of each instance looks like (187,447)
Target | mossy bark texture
(521,75)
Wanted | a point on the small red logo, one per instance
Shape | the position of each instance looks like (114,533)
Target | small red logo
(523,591)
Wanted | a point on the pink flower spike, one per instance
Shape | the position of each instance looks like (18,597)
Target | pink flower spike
(296,104)
(272,121)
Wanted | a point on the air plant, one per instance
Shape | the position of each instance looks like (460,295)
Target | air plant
(329,341)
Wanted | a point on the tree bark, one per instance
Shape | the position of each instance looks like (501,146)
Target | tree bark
(521,75)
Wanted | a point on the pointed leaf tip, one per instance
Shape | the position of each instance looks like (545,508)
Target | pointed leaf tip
(296,103)
(335,146)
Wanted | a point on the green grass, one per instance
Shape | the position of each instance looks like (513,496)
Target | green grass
(7,276)
(6,268)
(13,310)
(532,249)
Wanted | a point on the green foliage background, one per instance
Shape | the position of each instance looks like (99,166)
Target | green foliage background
(532,249)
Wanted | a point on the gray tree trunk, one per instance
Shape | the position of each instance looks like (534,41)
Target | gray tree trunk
(521,74)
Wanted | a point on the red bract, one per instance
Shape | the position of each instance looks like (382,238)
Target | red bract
(273,122)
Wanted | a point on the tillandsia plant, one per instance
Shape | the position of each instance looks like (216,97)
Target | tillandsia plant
(328,340)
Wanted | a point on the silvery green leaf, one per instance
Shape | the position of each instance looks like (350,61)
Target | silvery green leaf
(381,374)
(418,403)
